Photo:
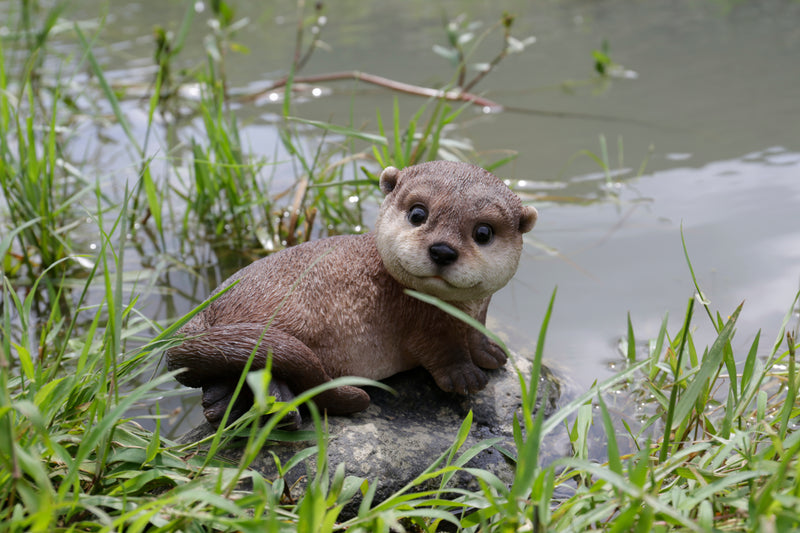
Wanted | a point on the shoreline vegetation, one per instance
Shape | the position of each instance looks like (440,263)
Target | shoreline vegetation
(717,450)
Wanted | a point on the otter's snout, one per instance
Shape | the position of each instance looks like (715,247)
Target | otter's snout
(442,254)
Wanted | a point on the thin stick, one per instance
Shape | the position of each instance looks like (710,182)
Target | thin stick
(407,88)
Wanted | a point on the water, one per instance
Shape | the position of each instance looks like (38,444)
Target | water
(709,108)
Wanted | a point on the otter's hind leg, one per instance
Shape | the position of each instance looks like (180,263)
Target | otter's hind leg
(217,396)
(215,358)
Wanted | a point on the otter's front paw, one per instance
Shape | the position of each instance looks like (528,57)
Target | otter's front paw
(486,353)
(461,378)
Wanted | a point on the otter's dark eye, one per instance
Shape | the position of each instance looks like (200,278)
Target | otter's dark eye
(417,215)
(483,234)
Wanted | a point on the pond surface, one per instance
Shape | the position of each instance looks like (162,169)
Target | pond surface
(708,106)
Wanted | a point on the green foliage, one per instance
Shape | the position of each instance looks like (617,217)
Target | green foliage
(603,161)
(225,193)
(39,191)
(463,42)
(602,59)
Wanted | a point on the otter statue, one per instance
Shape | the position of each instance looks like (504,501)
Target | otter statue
(338,307)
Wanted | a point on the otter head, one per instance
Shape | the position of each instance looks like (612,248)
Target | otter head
(451,230)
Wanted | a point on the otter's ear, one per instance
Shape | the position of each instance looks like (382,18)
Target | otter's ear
(528,218)
(389,179)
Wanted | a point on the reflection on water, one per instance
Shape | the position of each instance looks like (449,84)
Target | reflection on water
(742,228)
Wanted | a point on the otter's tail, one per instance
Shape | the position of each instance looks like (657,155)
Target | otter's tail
(218,355)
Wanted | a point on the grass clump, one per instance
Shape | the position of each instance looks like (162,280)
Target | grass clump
(719,450)
(225,188)
(709,455)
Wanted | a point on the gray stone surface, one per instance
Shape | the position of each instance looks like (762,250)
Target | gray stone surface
(398,437)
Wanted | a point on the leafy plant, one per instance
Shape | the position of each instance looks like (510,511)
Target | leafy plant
(602,59)
(463,42)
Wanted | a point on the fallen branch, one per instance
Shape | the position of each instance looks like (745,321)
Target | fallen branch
(455,95)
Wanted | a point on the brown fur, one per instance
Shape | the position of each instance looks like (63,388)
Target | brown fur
(337,307)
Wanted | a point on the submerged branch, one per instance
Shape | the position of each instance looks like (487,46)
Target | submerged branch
(407,88)
(456,95)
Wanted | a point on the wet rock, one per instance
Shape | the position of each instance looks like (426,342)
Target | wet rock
(399,436)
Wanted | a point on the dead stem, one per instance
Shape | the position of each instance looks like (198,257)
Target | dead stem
(407,88)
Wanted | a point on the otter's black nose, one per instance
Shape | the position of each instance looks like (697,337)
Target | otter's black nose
(442,254)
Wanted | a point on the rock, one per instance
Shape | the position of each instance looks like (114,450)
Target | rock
(398,437)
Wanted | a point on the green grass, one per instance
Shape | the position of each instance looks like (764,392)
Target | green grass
(78,353)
